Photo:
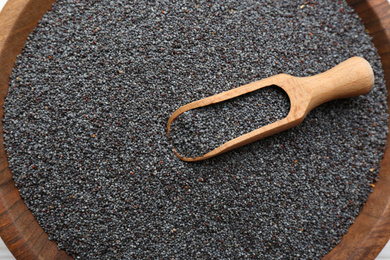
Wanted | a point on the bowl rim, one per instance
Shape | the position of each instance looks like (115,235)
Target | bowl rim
(26,239)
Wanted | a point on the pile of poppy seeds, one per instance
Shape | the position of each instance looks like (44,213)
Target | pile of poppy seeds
(86,117)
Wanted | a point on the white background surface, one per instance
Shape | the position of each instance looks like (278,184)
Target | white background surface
(6,255)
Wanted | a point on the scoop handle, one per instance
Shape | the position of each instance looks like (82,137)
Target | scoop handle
(350,78)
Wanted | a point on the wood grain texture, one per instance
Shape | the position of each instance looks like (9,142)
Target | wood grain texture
(27,240)
(350,78)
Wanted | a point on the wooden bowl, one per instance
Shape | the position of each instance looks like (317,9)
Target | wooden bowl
(26,239)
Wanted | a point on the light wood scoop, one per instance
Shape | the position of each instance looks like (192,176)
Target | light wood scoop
(350,78)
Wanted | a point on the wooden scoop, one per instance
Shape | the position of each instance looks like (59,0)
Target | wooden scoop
(350,78)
